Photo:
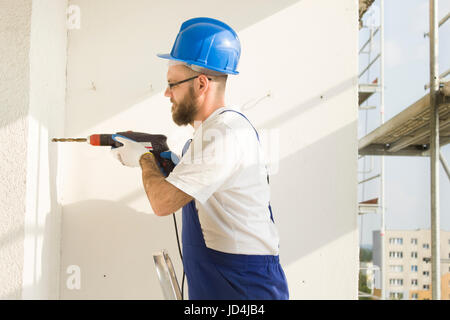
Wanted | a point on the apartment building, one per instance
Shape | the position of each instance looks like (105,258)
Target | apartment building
(408,263)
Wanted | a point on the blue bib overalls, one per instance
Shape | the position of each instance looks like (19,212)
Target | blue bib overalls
(214,275)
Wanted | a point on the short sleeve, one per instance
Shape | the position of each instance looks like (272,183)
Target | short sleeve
(211,159)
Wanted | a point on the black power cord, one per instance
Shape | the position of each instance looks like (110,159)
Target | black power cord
(181,255)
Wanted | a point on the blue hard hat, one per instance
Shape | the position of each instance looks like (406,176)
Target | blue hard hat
(207,43)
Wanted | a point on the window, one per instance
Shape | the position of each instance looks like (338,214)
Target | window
(395,295)
(414,282)
(395,240)
(426,246)
(426,287)
(395,268)
(414,241)
(426,273)
(415,296)
(396,282)
(414,254)
(395,254)
(414,268)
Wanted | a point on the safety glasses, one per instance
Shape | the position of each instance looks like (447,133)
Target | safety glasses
(171,85)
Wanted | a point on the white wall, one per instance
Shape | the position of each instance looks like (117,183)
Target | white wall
(304,53)
(32,99)
(14,96)
(45,121)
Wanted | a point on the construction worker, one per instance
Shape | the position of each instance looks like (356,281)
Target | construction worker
(230,241)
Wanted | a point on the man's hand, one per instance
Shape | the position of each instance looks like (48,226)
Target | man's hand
(130,153)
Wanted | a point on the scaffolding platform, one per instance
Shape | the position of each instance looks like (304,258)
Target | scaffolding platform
(365,91)
(368,206)
(408,133)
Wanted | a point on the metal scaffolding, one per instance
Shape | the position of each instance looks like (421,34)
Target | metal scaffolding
(419,130)
(366,89)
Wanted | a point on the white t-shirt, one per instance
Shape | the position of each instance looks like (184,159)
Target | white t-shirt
(224,171)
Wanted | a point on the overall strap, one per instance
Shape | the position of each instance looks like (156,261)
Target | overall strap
(257,135)
(186,147)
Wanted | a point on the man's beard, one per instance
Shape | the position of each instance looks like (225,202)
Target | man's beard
(184,113)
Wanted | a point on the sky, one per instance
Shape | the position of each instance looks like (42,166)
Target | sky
(407,179)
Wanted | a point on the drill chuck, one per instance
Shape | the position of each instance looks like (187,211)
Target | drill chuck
(102,140)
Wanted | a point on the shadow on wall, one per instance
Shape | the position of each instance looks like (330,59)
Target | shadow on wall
(113,245)
(309,221)
(277,122)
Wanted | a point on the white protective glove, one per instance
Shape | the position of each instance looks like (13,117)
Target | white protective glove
(130,153)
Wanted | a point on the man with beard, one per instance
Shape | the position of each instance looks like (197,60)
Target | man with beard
(230,242)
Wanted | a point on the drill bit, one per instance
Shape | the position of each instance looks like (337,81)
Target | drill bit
(69,140)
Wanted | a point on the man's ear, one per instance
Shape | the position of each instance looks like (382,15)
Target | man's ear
(202,83)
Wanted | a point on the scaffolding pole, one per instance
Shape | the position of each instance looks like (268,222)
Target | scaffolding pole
(382,187)
(434,151)
(444,164)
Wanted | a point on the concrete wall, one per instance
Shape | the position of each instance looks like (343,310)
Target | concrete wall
(32,98)
(14,104)
(46,120)
(298,84)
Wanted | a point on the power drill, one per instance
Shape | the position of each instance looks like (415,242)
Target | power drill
(156,143)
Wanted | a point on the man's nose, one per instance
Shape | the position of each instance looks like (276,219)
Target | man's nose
(167,92)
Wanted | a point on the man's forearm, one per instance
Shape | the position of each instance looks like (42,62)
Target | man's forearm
(163,196)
